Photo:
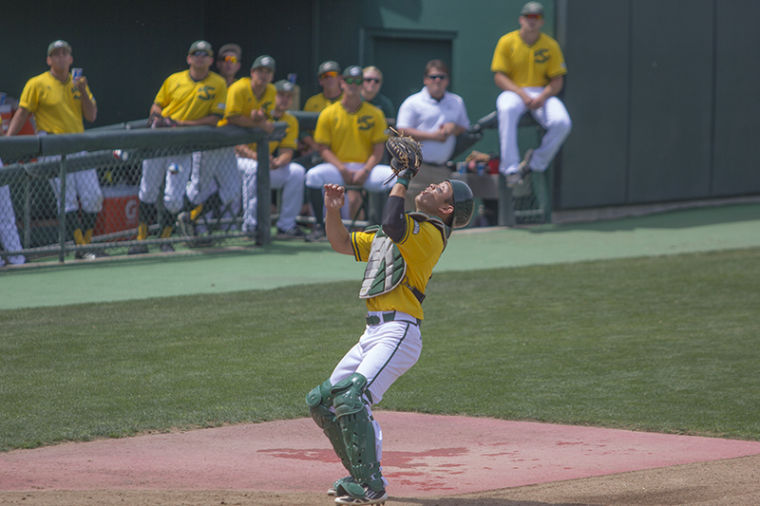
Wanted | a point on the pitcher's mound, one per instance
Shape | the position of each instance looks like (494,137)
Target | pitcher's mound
(423,456)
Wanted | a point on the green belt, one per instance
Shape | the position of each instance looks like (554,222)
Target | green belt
(389,317)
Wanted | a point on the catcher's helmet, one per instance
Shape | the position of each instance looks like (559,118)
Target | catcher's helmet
(463,204)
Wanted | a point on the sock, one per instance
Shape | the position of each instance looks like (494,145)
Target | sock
(142,231)
(78,238)
(88,223)
(73,225)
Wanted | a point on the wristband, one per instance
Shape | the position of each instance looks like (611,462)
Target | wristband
(403,180)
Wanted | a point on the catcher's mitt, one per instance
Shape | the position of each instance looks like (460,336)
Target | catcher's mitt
(406,154)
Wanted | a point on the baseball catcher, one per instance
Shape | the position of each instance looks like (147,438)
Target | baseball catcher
(400,257)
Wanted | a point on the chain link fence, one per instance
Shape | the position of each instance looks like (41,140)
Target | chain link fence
(120,189)
(126,188)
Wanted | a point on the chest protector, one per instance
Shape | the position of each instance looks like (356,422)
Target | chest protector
(386,267)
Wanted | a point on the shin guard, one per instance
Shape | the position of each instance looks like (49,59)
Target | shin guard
(319,401)
(357,431)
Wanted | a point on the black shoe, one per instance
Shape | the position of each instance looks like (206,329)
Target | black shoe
(167,248)
(317,234)
(293,233)
(137,249)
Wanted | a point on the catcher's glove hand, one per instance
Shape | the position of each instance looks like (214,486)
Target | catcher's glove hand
(406,154)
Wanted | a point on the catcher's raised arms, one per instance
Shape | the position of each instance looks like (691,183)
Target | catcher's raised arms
(406,154)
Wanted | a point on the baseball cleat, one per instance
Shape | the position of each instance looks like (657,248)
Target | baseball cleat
(185,224)
(369,497)
(523,169)
(317,234)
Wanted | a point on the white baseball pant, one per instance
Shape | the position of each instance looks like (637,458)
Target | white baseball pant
(155,169)
(384,352)
(553,117)
(8,231)
(289,178)
(327,173)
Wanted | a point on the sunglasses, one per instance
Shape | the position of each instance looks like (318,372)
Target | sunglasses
(229,59)
(533,16)
(436,77)
(372,79)
(353,80)
(331,73)
(200,53)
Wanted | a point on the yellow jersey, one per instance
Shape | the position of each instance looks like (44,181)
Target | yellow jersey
(318,102)
(421,247)
(290,141)
(528,66)
(182,98)
(241,100)
(56,105)
(351,136)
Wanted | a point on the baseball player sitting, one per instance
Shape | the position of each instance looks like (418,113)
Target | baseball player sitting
(350,135)
(528,66)
(400,257)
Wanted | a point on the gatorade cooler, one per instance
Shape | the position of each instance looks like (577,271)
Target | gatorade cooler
(120,208)
(8,106)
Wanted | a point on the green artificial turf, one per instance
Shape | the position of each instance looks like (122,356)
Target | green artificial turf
(668,344)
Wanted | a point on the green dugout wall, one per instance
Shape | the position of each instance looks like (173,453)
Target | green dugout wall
(661,92)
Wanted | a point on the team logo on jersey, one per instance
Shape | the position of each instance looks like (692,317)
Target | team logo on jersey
(541,55)
(365,122)
(76,93)
(206,92)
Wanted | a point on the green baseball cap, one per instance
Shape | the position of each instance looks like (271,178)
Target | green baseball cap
(284,86)
(201,45)
(263,61)
(328,66)
(532,8)
(353,71)
(57,44)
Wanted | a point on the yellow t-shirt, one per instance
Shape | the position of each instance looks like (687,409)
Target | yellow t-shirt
(182,98)
(528,66)
(241,100)
(57,106)
(318,102)
(291,135)
(351,136)
(421,247)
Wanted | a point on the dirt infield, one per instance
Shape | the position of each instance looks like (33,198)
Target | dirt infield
(428,459)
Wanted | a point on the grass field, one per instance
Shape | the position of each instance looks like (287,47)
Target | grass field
(668,344)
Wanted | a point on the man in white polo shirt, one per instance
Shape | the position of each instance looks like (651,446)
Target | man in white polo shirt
(433,116)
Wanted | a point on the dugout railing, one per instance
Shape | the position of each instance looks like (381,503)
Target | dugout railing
(114,156)
(108,162)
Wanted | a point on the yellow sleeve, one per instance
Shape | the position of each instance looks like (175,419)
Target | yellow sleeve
(361,243)
(290,140)
(313,104)
(163,97)
(557,65)
(237,98)
(378,132)
(323,132)
(30,98)
(500,60)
